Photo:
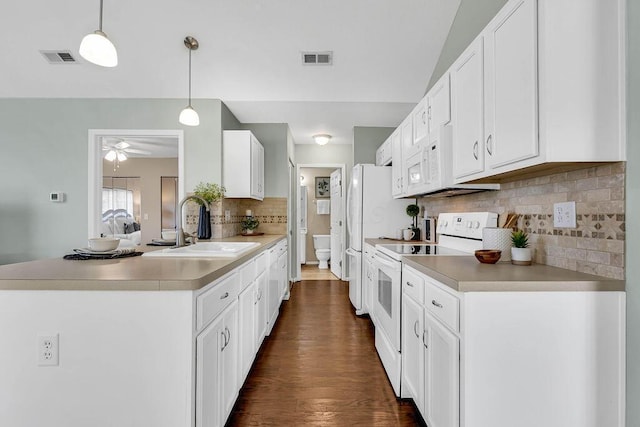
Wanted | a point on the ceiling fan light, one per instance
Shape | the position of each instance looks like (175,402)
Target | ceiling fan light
(121,156)
(98,49)
(321,139)
(110,156)
(189,117)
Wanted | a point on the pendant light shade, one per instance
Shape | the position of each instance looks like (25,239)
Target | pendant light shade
(189,116)
(97,48)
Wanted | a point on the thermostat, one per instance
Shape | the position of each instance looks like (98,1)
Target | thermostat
(56,197)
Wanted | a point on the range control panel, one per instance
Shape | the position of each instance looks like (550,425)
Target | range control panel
(466,224)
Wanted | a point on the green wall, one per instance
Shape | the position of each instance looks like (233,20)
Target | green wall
(44,148)
(366,141)
(472,17)
(633,207)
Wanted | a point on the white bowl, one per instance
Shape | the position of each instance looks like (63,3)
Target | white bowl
(103,244)
(168,234)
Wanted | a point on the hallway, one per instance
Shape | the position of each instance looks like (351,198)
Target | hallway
(319,367)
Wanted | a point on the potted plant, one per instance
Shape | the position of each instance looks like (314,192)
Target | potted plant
(413,211)
(520,252)
(212,193)
(249,224)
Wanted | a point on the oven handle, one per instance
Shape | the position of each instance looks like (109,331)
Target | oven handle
(388,264)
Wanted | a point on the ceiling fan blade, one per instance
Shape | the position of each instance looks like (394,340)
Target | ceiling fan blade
(122,145)
(135,151)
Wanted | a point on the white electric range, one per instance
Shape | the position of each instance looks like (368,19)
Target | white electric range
(459,234)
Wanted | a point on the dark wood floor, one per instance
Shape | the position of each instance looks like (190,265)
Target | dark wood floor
(319,367)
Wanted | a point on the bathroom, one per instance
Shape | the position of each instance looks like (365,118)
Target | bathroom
(315,237)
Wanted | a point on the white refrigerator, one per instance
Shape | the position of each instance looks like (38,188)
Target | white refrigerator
(371,213)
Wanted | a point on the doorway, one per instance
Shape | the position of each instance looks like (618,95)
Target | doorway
(120,152)
(321,214)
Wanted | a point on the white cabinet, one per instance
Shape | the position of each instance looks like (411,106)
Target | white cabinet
(511,85)
(282,275)
(383,153)
(246,325)
(261,306)
(274,292)
(505,358)
(412,352)
(420,120)
(439,106)
(368,280)
(466,116)
(397,165)
(441,374)
(216,387)
(243,165)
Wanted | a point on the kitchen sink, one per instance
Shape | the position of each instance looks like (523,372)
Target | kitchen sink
(206,250)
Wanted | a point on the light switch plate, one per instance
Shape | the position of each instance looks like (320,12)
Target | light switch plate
(564,215)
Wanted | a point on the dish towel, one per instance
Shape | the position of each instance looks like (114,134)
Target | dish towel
(323,207)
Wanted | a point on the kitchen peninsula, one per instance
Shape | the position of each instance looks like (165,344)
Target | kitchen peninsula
(138,341)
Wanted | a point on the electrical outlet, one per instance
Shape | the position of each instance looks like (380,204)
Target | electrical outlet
(227,215)
(48,350)
(564,215)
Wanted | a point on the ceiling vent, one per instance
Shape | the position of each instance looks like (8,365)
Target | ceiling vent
(317,58)
(58,56)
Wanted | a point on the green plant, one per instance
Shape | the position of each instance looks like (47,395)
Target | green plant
(413,211)
(211,192)
(519,239)
(249,223)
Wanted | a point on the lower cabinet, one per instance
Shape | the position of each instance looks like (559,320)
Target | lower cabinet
(441,374)
(233,315)
(504,359)
(216,356)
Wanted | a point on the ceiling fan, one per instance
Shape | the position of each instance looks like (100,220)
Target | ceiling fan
(117,151)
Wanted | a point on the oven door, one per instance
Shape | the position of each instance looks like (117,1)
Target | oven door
(386,297)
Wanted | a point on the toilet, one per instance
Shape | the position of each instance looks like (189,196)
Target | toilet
(322,245)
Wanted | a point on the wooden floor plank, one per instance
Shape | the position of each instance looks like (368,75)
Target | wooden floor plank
(319,367)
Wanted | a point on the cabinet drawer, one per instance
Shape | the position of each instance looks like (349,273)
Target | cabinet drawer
(261,263)
(443,305)
(413,285)
(211,303)
(247,274)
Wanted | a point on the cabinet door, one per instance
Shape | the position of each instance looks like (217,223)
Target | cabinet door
(229,363)
(282,276)
(273,291)
(260,304)
(412,352)
(510,85)
(420,120)
(442,374)
(467,107)
(397,164)
(208,348)
(257,169)
(246,325)
(439,106)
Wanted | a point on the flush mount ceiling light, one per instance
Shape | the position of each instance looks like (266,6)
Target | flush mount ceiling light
(97,48)
(189,116)
(322,139)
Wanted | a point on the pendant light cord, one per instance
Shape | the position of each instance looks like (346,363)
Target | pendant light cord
(100,24)
(190,49)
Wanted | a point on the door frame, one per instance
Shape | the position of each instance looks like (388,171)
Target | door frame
(342,167)
(95,167)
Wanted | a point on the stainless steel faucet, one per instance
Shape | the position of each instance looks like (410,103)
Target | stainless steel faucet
(180,240)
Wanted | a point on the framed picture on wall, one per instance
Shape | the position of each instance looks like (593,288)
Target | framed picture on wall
(323,189)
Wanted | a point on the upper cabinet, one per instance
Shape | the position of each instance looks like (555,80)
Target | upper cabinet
(397,166)
(243,165)
(542,84)
(383,153)
(494,91)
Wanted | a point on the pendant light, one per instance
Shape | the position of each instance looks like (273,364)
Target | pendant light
(189,116)
(97,48)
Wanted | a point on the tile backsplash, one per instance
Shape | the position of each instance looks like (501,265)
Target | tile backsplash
(271,212)
(595,246)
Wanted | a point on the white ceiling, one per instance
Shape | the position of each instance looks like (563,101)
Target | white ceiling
(249,56)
